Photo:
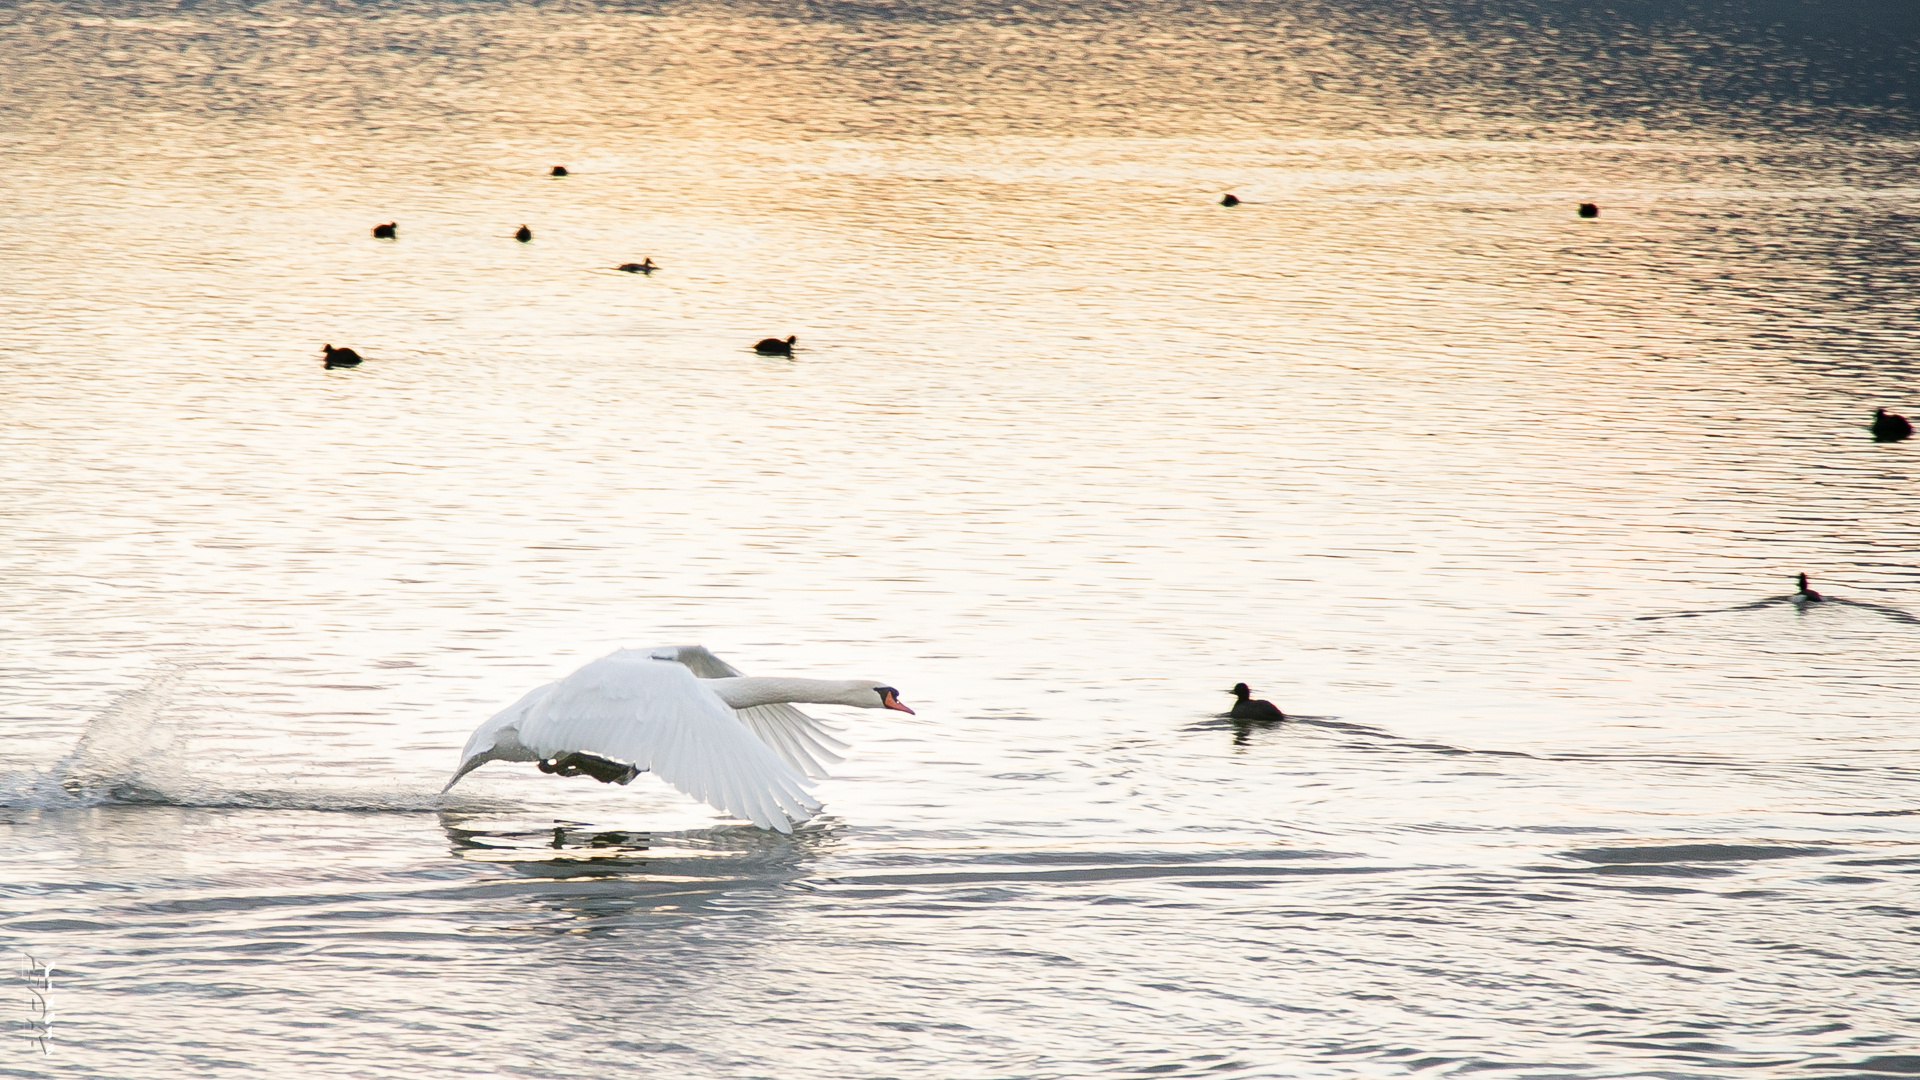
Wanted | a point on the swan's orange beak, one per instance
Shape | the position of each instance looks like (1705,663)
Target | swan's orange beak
(892,701)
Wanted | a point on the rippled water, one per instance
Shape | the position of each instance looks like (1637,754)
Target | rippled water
(1503,504)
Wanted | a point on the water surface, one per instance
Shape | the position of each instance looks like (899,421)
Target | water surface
(1503,505)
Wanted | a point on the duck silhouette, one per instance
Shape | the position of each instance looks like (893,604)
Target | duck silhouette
(559,170)
(523,234)
(1249,708)
(1806,595)
(645,266)
(1230,199)
(1589,210)
(342,357)
(1890,427)
(389,231)
(773,346)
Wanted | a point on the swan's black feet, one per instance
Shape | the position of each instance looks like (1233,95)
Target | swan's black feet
(601,769)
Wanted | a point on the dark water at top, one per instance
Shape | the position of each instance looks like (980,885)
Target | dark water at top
(1504,505)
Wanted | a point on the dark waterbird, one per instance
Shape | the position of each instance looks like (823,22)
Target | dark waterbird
(389,231)
(773,346)
(1806,595)
(1589,210)
(559,170)
(645,266)
(1230,200)
(1890,427)
(523,234)
(340,357)
(1249,708)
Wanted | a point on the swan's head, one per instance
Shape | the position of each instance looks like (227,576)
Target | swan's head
(889,699)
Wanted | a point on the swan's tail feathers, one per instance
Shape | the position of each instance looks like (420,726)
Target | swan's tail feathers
(499,738)
(466,767)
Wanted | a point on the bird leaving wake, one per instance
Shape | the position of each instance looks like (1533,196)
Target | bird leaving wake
(678,711)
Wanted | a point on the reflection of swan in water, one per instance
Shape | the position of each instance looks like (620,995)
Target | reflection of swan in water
(608,874)
(681,712)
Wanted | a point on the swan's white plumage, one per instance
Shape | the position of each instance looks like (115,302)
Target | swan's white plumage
(649,708)
(801,741)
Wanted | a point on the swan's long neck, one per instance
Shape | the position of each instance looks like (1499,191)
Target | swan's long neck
(744,693)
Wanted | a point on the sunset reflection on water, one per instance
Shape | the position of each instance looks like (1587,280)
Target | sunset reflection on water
(1502,505)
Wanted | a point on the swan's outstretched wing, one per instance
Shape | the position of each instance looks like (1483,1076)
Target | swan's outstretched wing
(698,659)
(801,741)
(632,707)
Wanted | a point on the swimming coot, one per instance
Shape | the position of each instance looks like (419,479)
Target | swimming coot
(773,346)
(340,357)
(1588,209)
(559,170)
(523,234)
(1806,595)
(389,231)
(1248,707)
(1230,200)
(1890,427)
(645,266)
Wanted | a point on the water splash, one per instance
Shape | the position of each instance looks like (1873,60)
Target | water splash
(129,752)
(126,754)
(138,751)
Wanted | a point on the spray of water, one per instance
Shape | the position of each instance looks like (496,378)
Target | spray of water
(139,751)
(127,753)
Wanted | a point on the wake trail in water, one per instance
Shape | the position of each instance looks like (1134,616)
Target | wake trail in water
(137,752)
(1827,603)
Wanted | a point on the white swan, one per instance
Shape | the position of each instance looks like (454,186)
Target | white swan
(689,717)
